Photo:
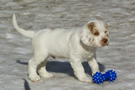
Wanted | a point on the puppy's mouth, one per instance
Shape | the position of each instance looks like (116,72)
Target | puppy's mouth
(104,44)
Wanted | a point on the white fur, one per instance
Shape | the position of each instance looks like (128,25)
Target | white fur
(72,44)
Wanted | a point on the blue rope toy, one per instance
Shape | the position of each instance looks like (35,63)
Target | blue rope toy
(98,77)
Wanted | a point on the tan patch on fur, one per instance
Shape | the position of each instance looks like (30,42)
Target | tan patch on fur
(91,26)
(92,29)
(108,35)
(95,32)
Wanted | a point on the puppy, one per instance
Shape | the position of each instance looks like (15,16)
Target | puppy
(76,45)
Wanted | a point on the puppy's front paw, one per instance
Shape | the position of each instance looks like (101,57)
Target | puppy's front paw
(85,79)
(34,78)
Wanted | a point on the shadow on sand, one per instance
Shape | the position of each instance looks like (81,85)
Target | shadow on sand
(64,67)
(26,85)
(60,67)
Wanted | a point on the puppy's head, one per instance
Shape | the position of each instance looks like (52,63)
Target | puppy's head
(95,33)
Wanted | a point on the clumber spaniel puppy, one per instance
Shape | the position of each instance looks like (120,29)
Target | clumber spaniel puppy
(76,45)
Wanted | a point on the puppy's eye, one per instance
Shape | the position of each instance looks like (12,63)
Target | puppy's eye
(105,31)
(96,33)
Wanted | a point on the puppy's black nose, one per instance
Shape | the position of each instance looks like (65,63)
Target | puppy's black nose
(105,40)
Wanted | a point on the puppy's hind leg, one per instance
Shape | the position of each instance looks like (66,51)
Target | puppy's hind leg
(39,57)
(42,69)
(33,76)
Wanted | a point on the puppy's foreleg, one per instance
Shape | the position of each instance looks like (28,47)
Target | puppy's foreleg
(79,70)
(93,64)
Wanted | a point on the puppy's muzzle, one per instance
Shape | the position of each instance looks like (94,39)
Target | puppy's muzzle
(104,41)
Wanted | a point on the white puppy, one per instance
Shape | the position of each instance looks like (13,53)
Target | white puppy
(76,45)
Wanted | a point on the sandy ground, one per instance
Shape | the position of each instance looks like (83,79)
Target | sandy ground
(15,50)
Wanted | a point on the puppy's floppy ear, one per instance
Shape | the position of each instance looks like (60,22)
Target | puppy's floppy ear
(86,34)
(90,26)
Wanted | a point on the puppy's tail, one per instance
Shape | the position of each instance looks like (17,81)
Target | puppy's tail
(29,34)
